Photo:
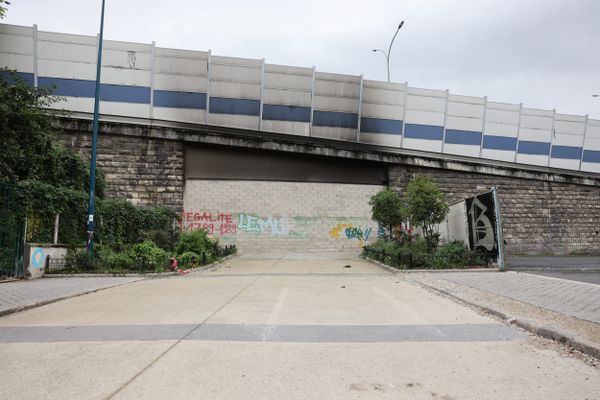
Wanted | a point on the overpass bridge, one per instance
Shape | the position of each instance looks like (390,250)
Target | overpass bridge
(273,156)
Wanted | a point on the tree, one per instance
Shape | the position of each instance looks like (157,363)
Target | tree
(386,208)
(3,8)
(424,205)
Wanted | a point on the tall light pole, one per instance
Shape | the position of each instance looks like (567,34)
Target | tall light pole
(387,54)
(90,222)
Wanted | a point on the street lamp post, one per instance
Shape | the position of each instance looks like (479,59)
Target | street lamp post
(387,54)
(90,222)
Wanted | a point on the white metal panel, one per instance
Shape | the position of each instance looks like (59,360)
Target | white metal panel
(67,70)
(424,117)
(508,117)
(235,73)
(127,60)
(16,30)
(16,44)
(336,104)
(180,83)
(425,103)
(535,122)
(590,167)
(130,77)
(532,159)
(22,63)
(538,112)
(564,163)
(536,135)
(326,76)
(421,144)
(466,124)
(180,66)
(461,149)
(246,62)
(426,92)
(570,127)
(592,144)
(77,104)
(381,139)
(127,46)
(495,129)
(128,109)
(593,129)
(562,139)
(503,106)
(380,96)
(234,121)
(456,98)
(501,155)
(181,54)
(283,81)
(287,97)
(288,70)
(234,91)
(382,111)
(337,89)
(180,114)
(391,86)
(67,38)
(334,133)
(67,52)
(289,127)
(465,110)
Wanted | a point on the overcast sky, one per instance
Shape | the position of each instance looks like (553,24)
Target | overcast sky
(544,53)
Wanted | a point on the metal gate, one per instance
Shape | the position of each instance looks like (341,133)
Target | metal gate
(12,233)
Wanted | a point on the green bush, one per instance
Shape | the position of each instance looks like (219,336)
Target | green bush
(77,260)
(148,257)
(189,259)
(197,241)
(114,262)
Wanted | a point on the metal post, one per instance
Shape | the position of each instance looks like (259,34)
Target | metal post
(485,100)
(92,194)
(262,90)
(312,100)
(56,224)
(35,56)
(152,68)
(587,117)
(518,130)
(552,136)
(360,98)
(404,112)
(499,237)
(207,109)
(445,121)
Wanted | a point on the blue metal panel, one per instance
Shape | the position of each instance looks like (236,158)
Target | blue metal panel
(428,132)
(538,148)
(592,156)
(277,112)
(499,142)
(380,125)
(455,136)
(222,105)
(12,77)
(171,98)
(570,152)
(69,87)
(335,119)
(125,93)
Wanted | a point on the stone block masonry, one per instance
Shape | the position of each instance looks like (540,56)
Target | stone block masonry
(538,216)
(146,171)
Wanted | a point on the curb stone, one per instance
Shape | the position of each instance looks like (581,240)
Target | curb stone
(548,332)
(412,271)
(70,296)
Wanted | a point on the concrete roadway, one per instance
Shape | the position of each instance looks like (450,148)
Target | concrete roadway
(280,327)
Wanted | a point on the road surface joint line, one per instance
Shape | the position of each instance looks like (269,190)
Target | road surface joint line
(561,280)
(195,328)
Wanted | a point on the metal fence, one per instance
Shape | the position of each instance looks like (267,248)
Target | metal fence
(12,233)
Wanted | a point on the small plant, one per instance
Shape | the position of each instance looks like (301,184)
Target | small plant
(189,259)
(197,241)
(149,257)
(386,209)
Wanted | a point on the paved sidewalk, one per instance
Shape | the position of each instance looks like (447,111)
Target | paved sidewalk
(24,294)
(576,299)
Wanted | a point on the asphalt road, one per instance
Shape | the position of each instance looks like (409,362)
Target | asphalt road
(588,277)
(278,327)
